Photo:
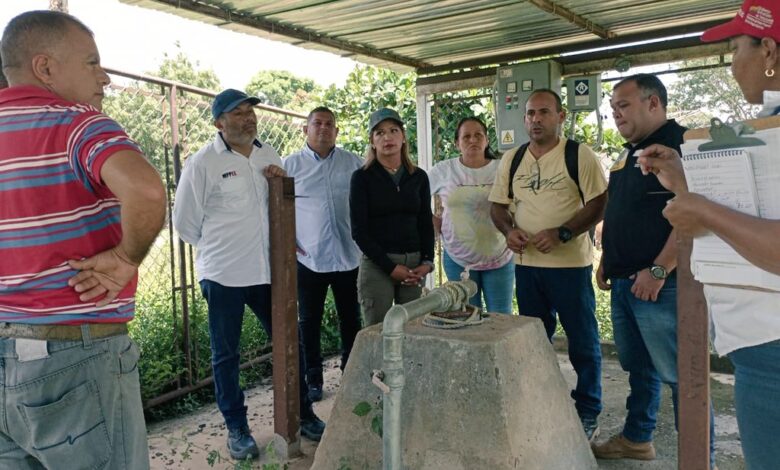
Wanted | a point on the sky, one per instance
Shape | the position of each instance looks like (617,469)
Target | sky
(135,39)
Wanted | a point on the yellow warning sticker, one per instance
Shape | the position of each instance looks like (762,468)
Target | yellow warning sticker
(507,137)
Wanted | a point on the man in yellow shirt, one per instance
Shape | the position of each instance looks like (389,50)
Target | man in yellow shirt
(549,235)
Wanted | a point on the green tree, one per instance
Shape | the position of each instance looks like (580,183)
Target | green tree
(284,90)
(143,110)
(699,95)
(449,109)
(366,90)
(181,69)
(587,132)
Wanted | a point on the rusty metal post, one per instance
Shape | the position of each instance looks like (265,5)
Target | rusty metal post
(182,249)
(693,366)
(284,317)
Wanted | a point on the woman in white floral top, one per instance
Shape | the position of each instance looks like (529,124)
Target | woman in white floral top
(469,238)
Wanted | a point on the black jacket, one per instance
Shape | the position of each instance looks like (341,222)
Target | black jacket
(391,219)
(635,230)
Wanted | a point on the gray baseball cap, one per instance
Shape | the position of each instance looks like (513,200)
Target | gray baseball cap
(382,115)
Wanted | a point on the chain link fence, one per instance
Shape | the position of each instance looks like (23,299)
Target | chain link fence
(171,121)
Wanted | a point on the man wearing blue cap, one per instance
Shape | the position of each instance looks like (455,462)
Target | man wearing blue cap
(221,188)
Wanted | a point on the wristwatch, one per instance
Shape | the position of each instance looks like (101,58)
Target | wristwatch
(564,234)
(658,272)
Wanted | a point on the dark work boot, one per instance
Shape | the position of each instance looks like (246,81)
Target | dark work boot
(241,444)
(312,426)
(314,382)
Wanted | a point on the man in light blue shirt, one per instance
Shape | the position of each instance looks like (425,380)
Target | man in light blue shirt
(327,255)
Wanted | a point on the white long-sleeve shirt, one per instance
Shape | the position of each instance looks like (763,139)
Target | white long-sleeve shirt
(322,225)
(221,208)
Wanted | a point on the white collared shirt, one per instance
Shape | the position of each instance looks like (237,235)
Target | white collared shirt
(322,225)
(221,208)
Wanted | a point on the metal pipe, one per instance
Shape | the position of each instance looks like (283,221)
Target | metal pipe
(450,296)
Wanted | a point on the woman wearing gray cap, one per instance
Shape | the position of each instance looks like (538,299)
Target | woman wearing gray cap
(390,211)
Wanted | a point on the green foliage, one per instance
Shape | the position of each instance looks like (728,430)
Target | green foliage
(699,95)
(284,90)
(586,131)
(366,90)
(273,459)
(180,69)
(143,111)
(364,408)
(449,109)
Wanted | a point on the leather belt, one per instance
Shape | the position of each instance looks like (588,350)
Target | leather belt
(61,332)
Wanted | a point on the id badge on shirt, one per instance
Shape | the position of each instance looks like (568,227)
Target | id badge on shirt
(620,162)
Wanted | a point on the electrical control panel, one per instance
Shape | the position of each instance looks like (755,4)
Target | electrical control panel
(514,85)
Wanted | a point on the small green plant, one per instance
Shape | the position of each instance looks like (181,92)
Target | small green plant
(344,464)
(273,459)
(364,408)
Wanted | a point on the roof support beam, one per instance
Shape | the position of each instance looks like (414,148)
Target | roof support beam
(571,48)
(568,15)
(647,54)
(274,27)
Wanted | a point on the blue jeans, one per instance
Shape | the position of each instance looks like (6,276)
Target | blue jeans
(568,292)
(312,291)
(80,407)
(646,341)
(226,314)
(494,284)
(756,393)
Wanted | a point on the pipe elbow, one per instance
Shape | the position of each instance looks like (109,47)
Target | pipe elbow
(394,320)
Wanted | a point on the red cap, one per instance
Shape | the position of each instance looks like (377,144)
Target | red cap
(757,18)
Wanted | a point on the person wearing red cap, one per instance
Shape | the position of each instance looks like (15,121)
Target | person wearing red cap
(746,323)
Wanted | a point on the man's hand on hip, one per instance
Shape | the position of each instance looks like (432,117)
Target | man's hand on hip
(104,274)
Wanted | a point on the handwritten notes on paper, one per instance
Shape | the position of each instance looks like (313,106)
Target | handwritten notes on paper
(725,176)
(746,180)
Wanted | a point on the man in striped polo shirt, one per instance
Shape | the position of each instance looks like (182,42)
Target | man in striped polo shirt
(80,208)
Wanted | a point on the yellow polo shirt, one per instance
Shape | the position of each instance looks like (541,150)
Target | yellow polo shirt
(546,197)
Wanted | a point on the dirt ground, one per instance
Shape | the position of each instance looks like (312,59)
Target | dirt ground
(197,441)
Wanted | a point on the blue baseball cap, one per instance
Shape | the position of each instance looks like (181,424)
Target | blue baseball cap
(382,115)
(227,101)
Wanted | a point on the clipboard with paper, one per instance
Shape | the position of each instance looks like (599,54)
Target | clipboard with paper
(736,165)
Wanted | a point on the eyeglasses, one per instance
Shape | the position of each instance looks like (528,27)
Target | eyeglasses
(537,172)
(532,181)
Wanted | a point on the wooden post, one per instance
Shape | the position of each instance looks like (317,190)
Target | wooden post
(693,365)
(284,317)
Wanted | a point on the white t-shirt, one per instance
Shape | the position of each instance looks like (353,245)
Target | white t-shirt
(468,233)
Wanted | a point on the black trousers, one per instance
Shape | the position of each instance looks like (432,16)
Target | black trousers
(312,291)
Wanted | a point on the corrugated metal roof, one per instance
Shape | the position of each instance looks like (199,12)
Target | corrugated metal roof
(447,34)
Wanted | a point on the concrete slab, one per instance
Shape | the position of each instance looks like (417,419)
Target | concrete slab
(184,443)
(486,396)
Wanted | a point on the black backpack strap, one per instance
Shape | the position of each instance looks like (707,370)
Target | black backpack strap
(571,155)
(516,159)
